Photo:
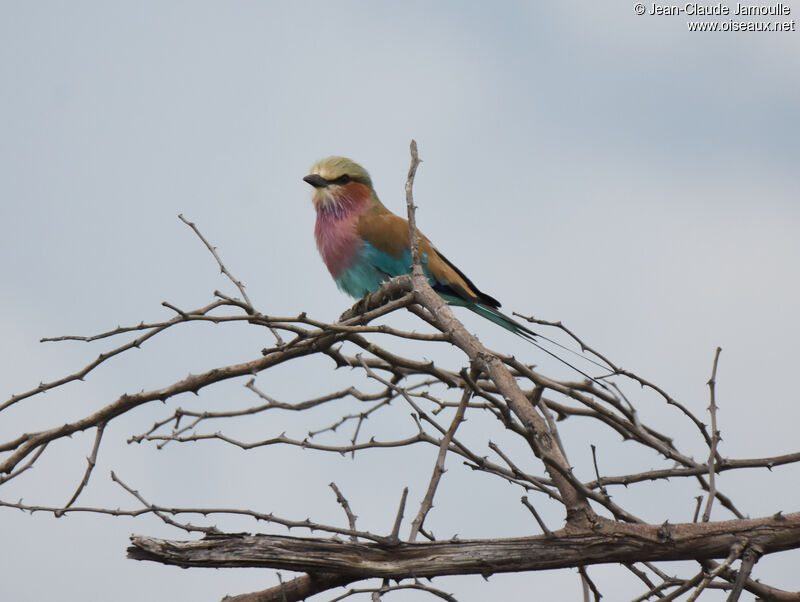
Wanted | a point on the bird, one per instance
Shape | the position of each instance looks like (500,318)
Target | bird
(363,244)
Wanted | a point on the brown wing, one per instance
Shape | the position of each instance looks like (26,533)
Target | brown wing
(389,234)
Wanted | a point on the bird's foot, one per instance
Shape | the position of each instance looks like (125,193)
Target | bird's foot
(360,306)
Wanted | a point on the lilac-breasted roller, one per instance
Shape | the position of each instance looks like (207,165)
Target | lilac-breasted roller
(363,244)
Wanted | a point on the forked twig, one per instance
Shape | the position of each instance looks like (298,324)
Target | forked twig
(221,265)
(351,518)
(91,462)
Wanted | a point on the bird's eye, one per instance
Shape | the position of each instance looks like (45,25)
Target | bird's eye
(342,179)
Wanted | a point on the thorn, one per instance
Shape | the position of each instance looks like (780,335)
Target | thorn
(664,531)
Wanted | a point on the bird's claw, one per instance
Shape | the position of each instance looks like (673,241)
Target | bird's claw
(360,306)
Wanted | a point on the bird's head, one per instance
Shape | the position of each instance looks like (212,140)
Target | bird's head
(337,180)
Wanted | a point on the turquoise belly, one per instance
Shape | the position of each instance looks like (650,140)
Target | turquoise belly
(372,268)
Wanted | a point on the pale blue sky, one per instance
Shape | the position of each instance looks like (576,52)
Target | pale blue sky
(637,181)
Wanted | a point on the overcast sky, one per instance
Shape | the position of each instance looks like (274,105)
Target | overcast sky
(617,172)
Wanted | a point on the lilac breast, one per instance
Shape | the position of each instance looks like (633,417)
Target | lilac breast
(337,240)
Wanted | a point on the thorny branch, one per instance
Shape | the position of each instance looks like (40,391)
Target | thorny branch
(438,469)
(427,401)
(712,410)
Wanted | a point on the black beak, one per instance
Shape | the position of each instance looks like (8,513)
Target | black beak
(316,180)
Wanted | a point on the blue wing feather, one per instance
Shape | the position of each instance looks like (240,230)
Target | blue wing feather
(373,267)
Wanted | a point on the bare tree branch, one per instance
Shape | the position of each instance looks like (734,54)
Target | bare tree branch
(222,267)
(298,588)
(411,208)
(712,410)
(622,543)
(750,556)
(438,469)
(91,462)
(351,518)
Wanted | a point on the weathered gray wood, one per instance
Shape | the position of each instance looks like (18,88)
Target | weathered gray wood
(609,542)
(298,588)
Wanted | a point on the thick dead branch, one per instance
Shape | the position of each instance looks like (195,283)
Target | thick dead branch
(611,542)
(298,588)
